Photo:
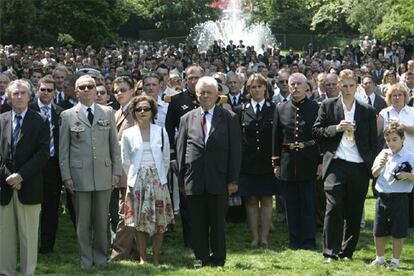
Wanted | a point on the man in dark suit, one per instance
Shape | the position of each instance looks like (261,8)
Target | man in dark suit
(209,160)
(295,159)
(347,134)
(24,150)
(179,105)
(4,81)
(52,183)
(378,72)
(235,97)
(320,94)
(371,97)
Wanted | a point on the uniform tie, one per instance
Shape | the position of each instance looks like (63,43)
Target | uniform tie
(257,110)
(90,115)
(234,100)
(369,101)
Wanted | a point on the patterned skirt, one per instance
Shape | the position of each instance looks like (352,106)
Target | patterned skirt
(148,206)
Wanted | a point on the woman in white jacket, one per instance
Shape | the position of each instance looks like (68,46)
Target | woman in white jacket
(146,159)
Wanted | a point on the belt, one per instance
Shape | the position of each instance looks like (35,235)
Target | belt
(298,145)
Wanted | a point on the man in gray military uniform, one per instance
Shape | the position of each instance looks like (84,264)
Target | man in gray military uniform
(90,164)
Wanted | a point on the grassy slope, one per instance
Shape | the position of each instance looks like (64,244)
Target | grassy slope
(241,260)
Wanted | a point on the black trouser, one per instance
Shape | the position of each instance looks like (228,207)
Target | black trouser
(300,205)
(208,220)
(185,220)
(346,185)
(49,216)
(116,196)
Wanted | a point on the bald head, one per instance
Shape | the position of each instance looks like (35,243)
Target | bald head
(331,85)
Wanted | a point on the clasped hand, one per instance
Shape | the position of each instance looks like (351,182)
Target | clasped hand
(15,181)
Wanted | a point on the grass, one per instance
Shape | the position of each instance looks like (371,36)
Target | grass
(277,259)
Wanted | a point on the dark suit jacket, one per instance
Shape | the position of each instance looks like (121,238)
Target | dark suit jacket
(208,168)
(256,138)
(230,100)
(324,132)
(379,104)
(56,110)
(32,153)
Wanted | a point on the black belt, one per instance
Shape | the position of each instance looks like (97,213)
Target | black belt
(298,145)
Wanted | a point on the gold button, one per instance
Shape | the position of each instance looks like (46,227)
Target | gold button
(258,148)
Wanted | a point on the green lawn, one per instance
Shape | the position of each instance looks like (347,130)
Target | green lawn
(241,260)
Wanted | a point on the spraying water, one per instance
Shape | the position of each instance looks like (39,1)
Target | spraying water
(232,26)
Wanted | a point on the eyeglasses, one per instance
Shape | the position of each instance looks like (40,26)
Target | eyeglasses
(121,90)
(49,90)
(89,86)
(101,93)
(283,81)
(145,109)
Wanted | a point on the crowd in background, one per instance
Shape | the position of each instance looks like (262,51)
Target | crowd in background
(251,79)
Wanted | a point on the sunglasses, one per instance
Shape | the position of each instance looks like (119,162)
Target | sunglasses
(283,81)
(49,90)
(145,109)
(89,86)
(121,90)
(101,93)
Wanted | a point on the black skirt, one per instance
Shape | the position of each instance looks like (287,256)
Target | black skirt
(258,185)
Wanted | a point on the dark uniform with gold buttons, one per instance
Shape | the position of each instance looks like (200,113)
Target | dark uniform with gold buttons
(179,105)
(297,155)
(257,178)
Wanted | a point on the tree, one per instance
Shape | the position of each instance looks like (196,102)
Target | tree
(175,14)
(16,18)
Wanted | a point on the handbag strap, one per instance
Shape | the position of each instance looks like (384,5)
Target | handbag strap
(162,140)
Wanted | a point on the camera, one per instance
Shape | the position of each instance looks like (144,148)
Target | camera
(403,167)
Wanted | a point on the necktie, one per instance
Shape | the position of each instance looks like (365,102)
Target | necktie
(234,100)
(16,132)
(60,97)
(90,115)
(284,100)
(369,100)
(46,111)
(204,125)
(323,96)
(257,110)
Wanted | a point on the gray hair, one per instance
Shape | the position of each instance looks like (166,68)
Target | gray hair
(206,81)
(15,83)
(232,74)
(84,77)
(192,67)
(298,75)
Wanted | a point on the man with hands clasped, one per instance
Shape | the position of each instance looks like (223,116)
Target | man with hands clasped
(393,167)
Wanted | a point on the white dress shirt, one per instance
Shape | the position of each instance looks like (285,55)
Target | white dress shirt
(347,149)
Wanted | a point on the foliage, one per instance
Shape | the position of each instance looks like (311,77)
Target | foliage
(176,14)
(65,39)
(282,15)
(16,20)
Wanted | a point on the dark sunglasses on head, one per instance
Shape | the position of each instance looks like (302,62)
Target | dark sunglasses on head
(121,90)
(50,90)
(89,86)
(145,109)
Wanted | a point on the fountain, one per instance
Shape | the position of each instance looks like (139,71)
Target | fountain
(231,26)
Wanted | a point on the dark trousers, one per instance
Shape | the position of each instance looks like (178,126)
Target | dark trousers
(49,216)
(185,220)
(346,185)
(320,203)
(208,220)
(300,205)
(117,195)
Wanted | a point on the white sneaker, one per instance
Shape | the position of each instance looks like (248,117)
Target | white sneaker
(377,263)
(393,265)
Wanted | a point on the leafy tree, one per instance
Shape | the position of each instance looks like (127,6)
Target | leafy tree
(175,14)
(16,18)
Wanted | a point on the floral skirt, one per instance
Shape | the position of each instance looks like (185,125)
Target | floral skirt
(148,205)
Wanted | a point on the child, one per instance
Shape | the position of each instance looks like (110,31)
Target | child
(393,185)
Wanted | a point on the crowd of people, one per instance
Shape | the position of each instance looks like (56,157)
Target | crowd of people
(139,133)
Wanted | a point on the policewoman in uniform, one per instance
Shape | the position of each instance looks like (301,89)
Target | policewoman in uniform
(257,181)
(295,157)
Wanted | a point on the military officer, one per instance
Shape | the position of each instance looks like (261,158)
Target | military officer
(90,163)
(295,158)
